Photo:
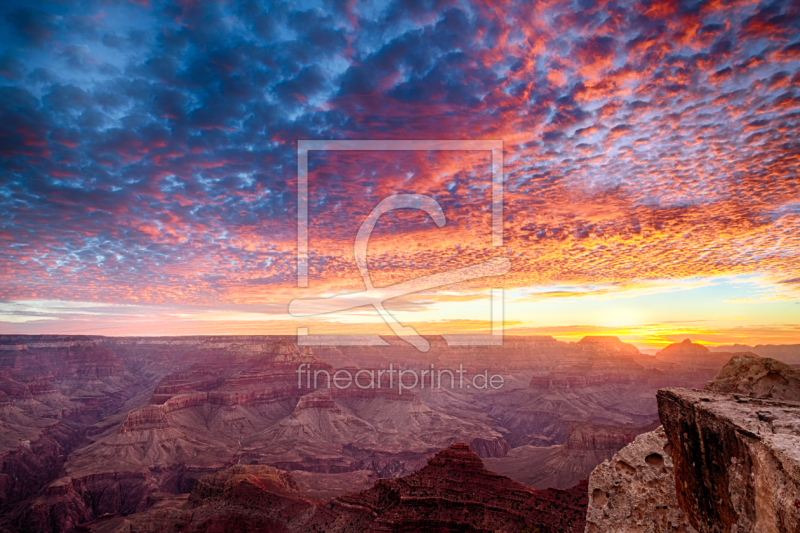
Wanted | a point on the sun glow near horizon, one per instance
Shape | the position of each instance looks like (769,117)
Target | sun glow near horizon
(649,318)
(649,167)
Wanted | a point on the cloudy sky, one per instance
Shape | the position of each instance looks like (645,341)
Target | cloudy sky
(149,165)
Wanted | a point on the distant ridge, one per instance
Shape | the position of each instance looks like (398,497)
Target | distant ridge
(788,353)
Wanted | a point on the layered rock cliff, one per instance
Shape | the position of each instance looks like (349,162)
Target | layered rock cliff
(452,493)
(727,459)
(737,447)
(241,498)
(737,460)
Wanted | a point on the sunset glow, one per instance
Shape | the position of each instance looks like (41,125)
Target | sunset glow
(650,156)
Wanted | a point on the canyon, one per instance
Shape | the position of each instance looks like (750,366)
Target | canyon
(452,492)
(564,465)
(113,427)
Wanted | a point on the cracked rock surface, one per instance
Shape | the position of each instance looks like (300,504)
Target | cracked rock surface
(727,459)
(736,447)
(757,377)
(736,460)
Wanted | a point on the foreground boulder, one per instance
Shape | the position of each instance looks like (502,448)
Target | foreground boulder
(736,460)
(727,459)
(757,377)
(736,447)
(635,490)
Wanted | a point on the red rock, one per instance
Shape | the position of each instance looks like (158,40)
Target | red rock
(736,460)
(452,493)
(148,417)
(220,400)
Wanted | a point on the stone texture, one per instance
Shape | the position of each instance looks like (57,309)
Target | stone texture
(757,377)
(92,425)
(635,490)
(736,459)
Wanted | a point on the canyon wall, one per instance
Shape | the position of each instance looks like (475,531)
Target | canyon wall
(453,492)
(562,466)
(726,461)
(737,460)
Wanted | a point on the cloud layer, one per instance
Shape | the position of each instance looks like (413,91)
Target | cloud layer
(148,149)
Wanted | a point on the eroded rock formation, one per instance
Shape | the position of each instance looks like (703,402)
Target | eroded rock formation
(737,447)
(757,377)
(726,460)
(635,490)
(452,493)
(241,498)
(94,425)
(737,460)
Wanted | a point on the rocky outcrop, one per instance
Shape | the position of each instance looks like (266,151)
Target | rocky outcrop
(635,490)
(68,502)
(737,460)
(489,447)
(726,460)
(28,468)
(737,447)
(694,358)
(598,437)
(757,377)
(148,417)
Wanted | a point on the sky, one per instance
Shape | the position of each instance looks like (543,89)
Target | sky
(149,166)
